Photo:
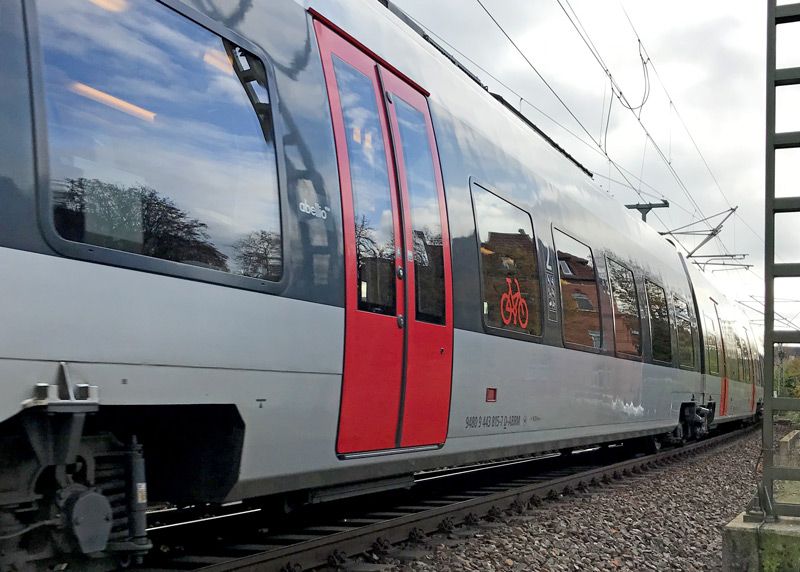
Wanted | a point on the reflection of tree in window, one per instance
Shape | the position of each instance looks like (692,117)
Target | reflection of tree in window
(683,325)
(627,320)
(376,263)
(372,199)
(579,297)
(660,330)
(259,255)
(508,253)
(134,219)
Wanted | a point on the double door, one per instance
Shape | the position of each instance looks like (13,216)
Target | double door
(398,309)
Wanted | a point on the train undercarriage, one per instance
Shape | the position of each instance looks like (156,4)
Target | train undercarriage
(68,493)
(73,494)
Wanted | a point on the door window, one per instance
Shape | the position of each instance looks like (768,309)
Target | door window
(372,198)
(426,225)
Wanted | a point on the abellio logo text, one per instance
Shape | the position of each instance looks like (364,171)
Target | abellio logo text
(314,210)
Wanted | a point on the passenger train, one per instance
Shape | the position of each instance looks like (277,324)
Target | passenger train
(274,249)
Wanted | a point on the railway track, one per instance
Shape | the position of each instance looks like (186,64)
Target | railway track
(438,502)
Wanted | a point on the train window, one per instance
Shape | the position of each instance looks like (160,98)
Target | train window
(160,138)
(372,198)
(683,323)
(509,270)
(739,357)
(627,316)
(712,350)
(731,359)
(744,359)
(660,330)
(751,358)
(749,362)
(580,305)
(426,225)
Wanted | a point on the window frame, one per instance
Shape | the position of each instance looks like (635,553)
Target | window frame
(572,345)
(640,357)
(130,260)
(487,328)
(670,323)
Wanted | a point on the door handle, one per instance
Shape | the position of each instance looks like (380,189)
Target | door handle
(400,272)
(401,321)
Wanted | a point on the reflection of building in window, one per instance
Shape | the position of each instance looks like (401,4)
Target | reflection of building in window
(595,338)
(509,270)
(579,294)
(583,301)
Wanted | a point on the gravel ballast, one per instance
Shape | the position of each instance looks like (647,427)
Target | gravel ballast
(665,519)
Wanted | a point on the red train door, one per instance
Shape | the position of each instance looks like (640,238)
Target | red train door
(398,309)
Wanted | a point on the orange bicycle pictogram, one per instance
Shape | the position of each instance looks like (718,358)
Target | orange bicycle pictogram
(513,307)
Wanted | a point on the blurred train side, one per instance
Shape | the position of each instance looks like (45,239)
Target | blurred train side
(227,362)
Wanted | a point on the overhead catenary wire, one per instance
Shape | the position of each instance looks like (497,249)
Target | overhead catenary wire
(557,96)
(574,21)
(593,146)
(621,97)
(596,145)
(645,58)
(674,108)
(587,40)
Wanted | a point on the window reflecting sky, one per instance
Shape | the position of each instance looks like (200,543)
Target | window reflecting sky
(425,216)
(137,95)
(369,179)
(419,169)
(365,149)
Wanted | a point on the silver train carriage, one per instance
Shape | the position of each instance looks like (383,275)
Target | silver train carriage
(267,248)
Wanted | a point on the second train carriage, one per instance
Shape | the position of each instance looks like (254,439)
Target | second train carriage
(277,248)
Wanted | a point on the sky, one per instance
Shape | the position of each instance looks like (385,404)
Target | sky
(703,87)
